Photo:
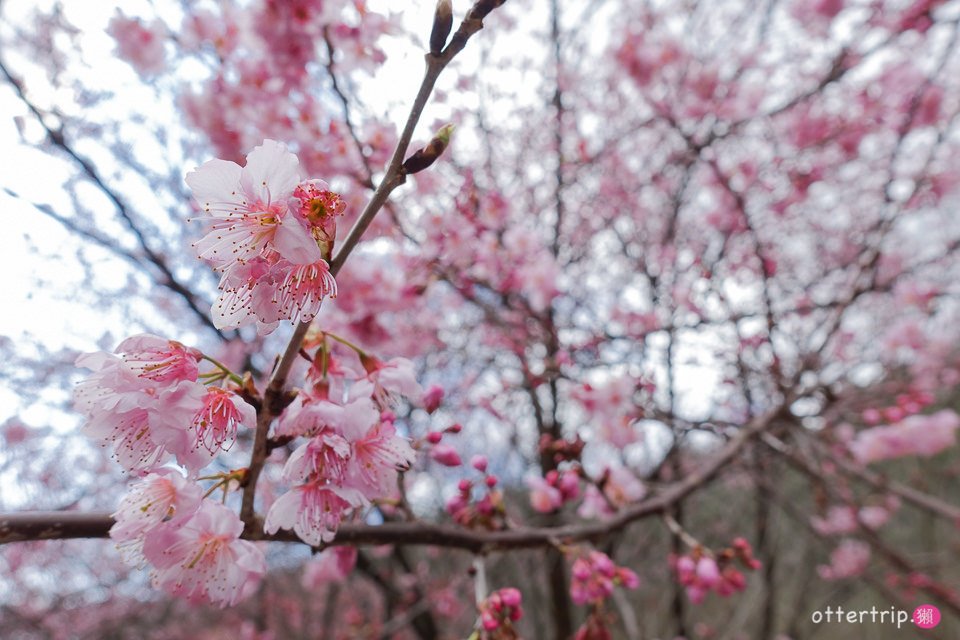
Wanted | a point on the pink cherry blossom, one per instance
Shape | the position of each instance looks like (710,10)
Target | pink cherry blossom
(139,44)
(848,560)
(324,456)
(921,435)
(500,610)
(160,496)
(306,416)
(203,557)
(217,420)
(158,359)
(269,233)
(446,455)
(313,510)
(148,405)
(378,454)
(389,380)
(620,487)
(247,208)
(544,497)
(594,576)
(328,566)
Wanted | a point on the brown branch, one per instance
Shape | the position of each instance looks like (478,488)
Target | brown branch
(39,525)
(925,501)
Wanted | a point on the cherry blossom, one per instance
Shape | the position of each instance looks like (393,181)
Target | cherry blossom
(594,576)
(329,566)
(148,405)
(849,559)
(217,420)
(202,558)
(270,235)
(313,510)
(142,45)
(159,497)
(620,487)
(498,612)
(923,435)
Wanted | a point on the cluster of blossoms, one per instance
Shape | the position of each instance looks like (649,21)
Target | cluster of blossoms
(271,235)
(848,560)
(498,612)
(701,573)
(140,44)
(511,259)
(612,488)
(907,404)
(594,577)
(613,408)
(149,405)
(329,566)
(616,488)
(548,493)
(843,519)
(192,543)
(487,512)
(353,452)
(916,435)
(441,452)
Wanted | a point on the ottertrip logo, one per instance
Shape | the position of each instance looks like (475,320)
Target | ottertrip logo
(926,616)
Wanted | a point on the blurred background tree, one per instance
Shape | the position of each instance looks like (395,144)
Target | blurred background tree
(686,274)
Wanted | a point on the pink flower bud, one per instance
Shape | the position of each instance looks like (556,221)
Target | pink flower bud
(707,572)
(511,597)
(456,504)
(685,569)
(628,578)
(434,437)
(479,462)
(489,621)
(603,564)
(696,594)
(446,455)
(734,579)
(569,485)
(432,398)
(581,569)
(491,481)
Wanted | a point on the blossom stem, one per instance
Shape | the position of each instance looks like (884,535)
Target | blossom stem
(224,368)
(346,343)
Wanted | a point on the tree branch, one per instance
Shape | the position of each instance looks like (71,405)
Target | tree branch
(20,527)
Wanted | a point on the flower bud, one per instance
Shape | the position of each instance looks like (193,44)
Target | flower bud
(425,157)
(511,597)
(446,455)
(432,398)
(442,24)
(479,462)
